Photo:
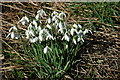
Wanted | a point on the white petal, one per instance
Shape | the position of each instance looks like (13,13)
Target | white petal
(40,38)
(66,37)
(75,26)
(60,25)
(35,24)
(86,31)
(48,20)
(54,18)
(66,46)
(79,26)
(60,30)
(48,26)
(45,49)
(10,29)
(39,28)
(26,18)
(54,13)
(23,22)
(27,34)
(37,17)
(72,31)
(74,41)
(33,40)
(12,35)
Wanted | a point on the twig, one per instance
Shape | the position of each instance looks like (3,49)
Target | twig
(19,9)
(12,49)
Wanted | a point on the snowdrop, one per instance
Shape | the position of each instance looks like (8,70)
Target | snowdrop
(66,46)
(74,41)
(54,13)
(62,15)
(48,26)
(29,33)
(12,35)
(60,25)
(48,20)
(49,36)
(75,26)
(54,18)
(24,20)
(39,28)
(46,49)
(72,31)
(66,37)
(30,26)
(41,31)
(79,26)
(40,14)
(35,24)
(13,28)
(33,40)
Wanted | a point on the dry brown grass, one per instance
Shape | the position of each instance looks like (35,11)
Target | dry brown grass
(99,55)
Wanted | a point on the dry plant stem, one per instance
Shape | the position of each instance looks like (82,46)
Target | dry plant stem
(13,25)
(19,9)
(12,49)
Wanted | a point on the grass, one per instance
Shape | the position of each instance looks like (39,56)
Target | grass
(96,16)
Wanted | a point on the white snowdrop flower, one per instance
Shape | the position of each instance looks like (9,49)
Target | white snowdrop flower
(39,28)
(54,18)
(13,28)
(40,13)
(41,32)
(86,31)
(49,36)
(48,26)
(56,21)
(90,31)
(65,24)
(54,13)
(27,34)
(46,49)
(33,40)
(30,26)
(24,20)
(48,20)
(37,17)
(66,37)
(66,46)
(74,41)
(78,39)
(60,25)
(61,31)
(79,26)
(40,35)
(62,15)
(12,35)
(35,24)
(75,26)
(40,38)
(80,32)
(31,33)
(82,40)
(72,31)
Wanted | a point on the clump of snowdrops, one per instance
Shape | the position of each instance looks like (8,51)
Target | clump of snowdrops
(53,44)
